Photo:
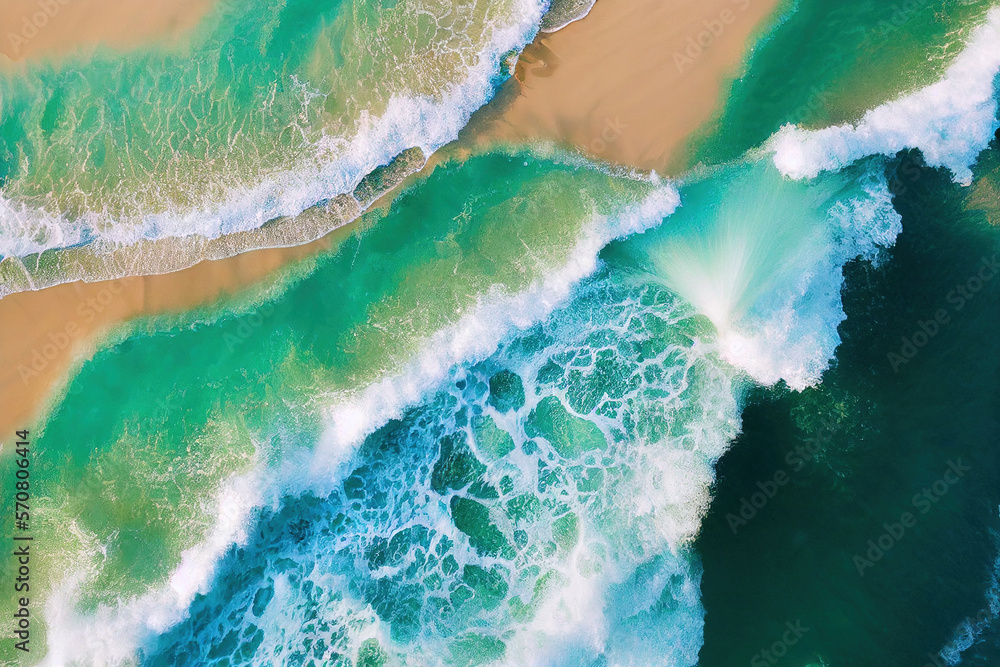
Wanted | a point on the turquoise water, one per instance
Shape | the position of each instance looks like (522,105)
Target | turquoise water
(537,411)
(266,110)
(849,57)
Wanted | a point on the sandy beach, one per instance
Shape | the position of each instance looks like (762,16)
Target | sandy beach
(627,84)
(53,28)
(633,80)
(47,331)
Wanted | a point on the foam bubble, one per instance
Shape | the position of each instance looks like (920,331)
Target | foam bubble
(592,505)
(113,634)
(971,629)
(563,12)
(25,231)
(475,335)
(762,258)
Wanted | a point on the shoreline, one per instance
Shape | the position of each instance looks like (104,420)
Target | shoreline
(577,68)
(57,327)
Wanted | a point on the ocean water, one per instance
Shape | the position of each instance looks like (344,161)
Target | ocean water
(850,57)
(539,411)
(265,111)
(855,452)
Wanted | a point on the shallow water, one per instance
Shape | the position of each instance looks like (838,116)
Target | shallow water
(264,111)
(537,411)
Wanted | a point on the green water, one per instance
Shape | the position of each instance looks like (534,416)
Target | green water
(849,57)
(264,110)
(513,417)
(870,438)
(138,480)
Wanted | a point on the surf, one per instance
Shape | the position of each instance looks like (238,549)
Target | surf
(484,428)
(950,121)
(193,149)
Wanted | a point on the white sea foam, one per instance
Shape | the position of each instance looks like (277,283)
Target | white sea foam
(25,231)
(563,12)
(765,265)
(950,121)
(598,598)
(970,629)
(609,600)
(474,336)
(791,334)
(785,330)
(112,635)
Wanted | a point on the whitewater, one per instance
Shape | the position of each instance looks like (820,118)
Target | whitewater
(528,485)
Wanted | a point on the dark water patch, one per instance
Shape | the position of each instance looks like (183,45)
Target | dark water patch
(860,511)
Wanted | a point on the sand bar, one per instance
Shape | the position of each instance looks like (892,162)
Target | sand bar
(624,84)
(633,80)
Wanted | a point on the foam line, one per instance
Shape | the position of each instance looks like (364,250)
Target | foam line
(409,121)
(113,635)
(950,121)
(474,336)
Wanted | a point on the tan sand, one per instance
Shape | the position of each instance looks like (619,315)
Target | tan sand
(633,80)
(619,84)
(53,28)
(45,332)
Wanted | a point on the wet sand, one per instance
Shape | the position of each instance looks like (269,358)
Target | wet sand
(46,332)
(623,84)
(48,29)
